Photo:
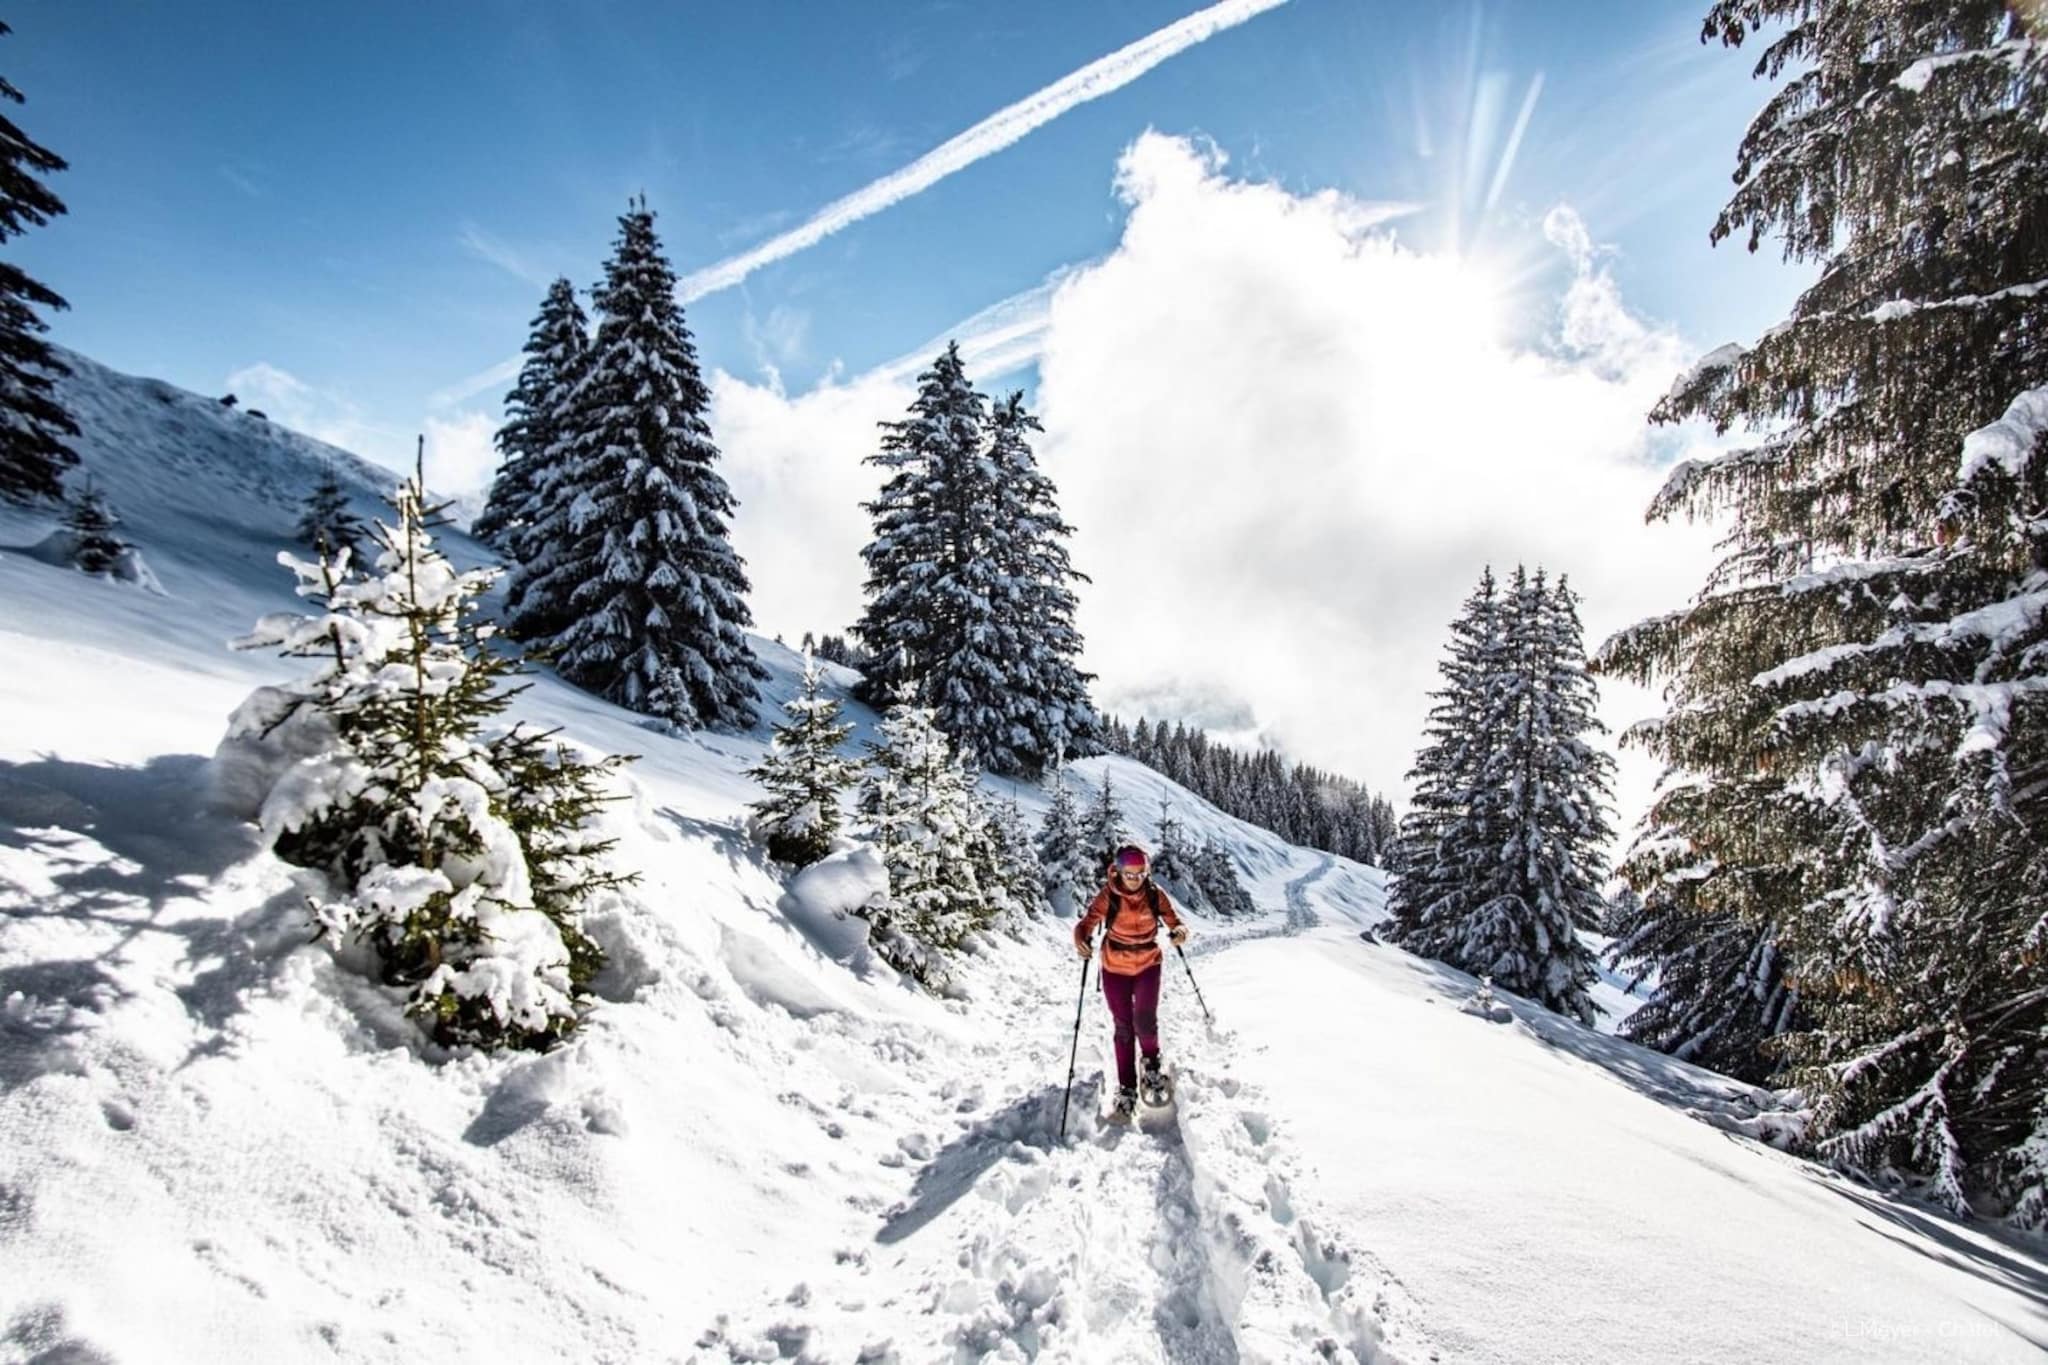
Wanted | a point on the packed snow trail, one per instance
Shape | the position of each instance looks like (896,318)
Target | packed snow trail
(1179,1240)
(1300,916)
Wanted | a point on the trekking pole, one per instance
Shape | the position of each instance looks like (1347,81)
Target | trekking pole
(1191,981)
(1083,1000)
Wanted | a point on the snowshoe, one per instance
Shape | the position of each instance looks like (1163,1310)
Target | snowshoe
(1156,1082)
(1126,1104)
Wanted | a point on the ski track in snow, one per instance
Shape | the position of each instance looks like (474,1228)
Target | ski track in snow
(1187,1238)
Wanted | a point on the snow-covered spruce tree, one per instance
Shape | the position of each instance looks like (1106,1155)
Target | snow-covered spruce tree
(1174,857)
(1500,859)
(1103,828)
(834,649)
(1546,788)
(95,546)
(1442,841)
(1049,713)
(1070,872)
(1722,992)
(535,415)
(326,525)
(1177,865)
(935,620)
(804,774)
(969,584)
(918,808)
(1000,859)
(1017,860)
(1386,828)
(1215,874)
(916,531)
(1854,698)
(33,424)
(462,861)
(632,549)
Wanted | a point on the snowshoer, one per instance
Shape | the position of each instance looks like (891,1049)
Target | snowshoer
(1130,909)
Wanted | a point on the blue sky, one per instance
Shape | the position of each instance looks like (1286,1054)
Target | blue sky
(1289,428)
(322,190)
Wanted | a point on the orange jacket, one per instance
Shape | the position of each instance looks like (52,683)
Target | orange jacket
(1130,944)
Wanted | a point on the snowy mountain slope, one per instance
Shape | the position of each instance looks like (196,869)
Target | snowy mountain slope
(210,493)
(215,1144)
(1546,1197)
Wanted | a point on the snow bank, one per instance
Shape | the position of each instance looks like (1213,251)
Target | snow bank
(60,548)
(1544,1195)
(822,898)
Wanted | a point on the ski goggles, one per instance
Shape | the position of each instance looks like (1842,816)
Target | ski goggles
(1132,860)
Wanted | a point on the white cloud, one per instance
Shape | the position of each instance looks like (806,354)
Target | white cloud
(778,339)
(999,130)
(460,460)
(1289,445)
(795,466)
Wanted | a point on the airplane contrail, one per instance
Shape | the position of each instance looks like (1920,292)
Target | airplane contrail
(991,135)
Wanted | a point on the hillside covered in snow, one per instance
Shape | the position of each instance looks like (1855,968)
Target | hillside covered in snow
(217,1142)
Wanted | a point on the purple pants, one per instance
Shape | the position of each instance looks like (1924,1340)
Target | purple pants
(1134,1004)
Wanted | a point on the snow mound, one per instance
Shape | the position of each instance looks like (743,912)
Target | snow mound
(822,898)
(60,550)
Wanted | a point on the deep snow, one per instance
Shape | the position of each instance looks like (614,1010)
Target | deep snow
(218,1144)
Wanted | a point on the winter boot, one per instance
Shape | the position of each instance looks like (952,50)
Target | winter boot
(1153,1080)
(1126,1104)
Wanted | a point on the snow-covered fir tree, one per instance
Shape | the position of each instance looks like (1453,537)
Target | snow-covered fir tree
(919,809)
(536,411)
(1174,857)
(33,424)
(1855,697)
(96,547)
(632,553)
(1016,860)
(1548,789)
(1501,862)
(1722,992)
(969,585)
(1048,710)
(1003,862)
(1070,872)
(462,860)
(916,533)
(1215,875)
(805,775)
(1103,828)
(1442,840)
(326,523)
(1173,863)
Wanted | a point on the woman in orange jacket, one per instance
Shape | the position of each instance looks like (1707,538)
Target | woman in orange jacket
(1130,909)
